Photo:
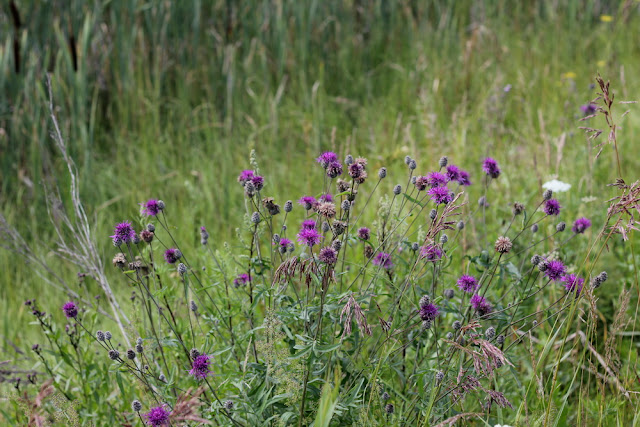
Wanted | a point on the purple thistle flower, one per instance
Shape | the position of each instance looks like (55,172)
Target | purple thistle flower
(440,195)
(326,198)
(241,280)
(467,283)
(481,305)
(463,179)
(334,169)
(588,109)
(581,225)
(437,179)
(200,367)
(431,253)
(327,157)
(453,172)
(158,416)
(328,255)
(308,202)
(123,233)
(355,170)
(309,237)
(552,207)
(258,182)
(491,168)
(151,207)
(172,255)
(429,311)
(245,175)
(285,244)
(309,224)
(364,233)
(70,310)
(572,283)
(383,260)
(555,270)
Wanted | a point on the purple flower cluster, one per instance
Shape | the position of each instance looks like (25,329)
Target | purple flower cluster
(158,416)
(572,283)
(200,367)
(364,233)
(309,224)
(552,207)
(468,283)
(383,260)
(70,310)
(481,305)
(429,311)
(151,208)
(581,225)
(329,161)
(309,237)
(328,255)
(588,109)
(285,244)
(123,233)
(249,175)
(431,253)
(491,168)
(555,269)
(308,202)
(172,255)
(436,179)
(440,195)
(241,280)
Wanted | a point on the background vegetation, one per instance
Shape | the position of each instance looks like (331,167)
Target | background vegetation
(166,100)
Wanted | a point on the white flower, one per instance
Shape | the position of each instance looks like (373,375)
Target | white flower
(556,186)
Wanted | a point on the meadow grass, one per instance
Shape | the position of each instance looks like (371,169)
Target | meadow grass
(168,99)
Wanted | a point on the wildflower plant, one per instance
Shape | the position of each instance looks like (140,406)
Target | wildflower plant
(388,289)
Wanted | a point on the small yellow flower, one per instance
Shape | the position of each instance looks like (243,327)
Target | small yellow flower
(601,64)
(569,75)
(606,18)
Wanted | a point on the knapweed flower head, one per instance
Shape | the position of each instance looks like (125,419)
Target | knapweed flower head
(123,233)
(355,170)
(555,269)
(241,280)
(172,255)
(429,311)
(364,233)
(326,209)
(200,367)
(308,202)
(70,310)
(285,245)
(481,305)
(158,416)
(327,157)
(328,255)
(151,207)
(463,178)
(309,224)
(431,253)
(440,195)
(588,109)
(552,207)
(572,283)
(581,225)
(503,245)
(334,169)
(383,259)
(327,197)
(491,168)
(453,173)
(437,179)
(467,283)
(250,176)
(309,237)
